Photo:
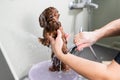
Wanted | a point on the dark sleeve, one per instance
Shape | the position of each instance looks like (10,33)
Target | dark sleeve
(117,58)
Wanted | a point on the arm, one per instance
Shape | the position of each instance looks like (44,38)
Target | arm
(109,30)
(85,39)
(90,69)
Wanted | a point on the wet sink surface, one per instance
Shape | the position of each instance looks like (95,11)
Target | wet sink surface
(103,53)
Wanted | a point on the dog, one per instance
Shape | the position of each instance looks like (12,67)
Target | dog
(49,21)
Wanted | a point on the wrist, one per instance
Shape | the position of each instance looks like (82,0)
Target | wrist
(99,34)
(59,54)
(57,51)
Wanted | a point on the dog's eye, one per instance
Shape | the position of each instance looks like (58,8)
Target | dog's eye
(51,16)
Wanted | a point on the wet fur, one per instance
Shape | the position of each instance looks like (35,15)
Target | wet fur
(49,22)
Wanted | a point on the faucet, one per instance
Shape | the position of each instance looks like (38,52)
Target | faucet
(80,4)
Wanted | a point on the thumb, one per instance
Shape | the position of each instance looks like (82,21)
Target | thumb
(51,39)
(67,36)
(59,33)
(82,46)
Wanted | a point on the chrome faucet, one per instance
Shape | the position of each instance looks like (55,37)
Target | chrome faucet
(80,4)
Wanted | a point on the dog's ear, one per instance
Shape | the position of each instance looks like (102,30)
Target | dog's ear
(45,42)
(42,21)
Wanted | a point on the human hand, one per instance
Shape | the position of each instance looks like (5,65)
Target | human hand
(57,43)
(84,39)
(67,36)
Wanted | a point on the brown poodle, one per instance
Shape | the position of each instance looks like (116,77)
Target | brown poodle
(49,21)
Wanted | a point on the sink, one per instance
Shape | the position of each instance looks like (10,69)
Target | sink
(103,53)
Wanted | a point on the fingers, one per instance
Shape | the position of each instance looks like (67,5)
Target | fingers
(77,39)
(82,46)
(61,28)
(59,34)
(67,36)
(81,40)
(51,39)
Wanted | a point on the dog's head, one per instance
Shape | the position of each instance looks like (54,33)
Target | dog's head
(49,19)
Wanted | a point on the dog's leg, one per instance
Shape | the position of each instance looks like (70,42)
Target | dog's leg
(44,41)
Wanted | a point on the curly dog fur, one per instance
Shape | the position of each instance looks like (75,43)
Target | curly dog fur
(49,22)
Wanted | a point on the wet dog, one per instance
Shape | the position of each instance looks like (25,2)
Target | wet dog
(49,21)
